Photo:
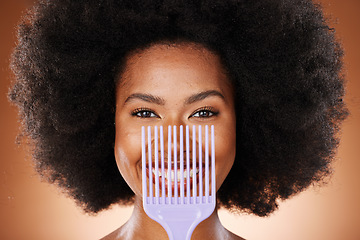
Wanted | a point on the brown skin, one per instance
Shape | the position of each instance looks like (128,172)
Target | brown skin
(174,76)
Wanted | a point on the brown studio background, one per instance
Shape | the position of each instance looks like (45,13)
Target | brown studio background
(31,209)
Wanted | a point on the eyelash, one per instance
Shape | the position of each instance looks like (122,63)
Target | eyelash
(142,110)
(210,110)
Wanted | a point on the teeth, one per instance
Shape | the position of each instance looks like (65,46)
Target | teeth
(178,174)
(172,175)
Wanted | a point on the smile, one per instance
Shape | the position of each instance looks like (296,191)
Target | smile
(172,181)
(172,174)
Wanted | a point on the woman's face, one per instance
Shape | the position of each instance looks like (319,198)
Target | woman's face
(182,84)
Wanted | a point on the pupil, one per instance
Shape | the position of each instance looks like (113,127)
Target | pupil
(146,114)
(204,114)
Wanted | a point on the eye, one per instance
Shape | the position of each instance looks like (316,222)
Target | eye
(144,113)
(206,112)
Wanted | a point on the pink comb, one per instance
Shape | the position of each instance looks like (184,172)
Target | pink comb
(179,188)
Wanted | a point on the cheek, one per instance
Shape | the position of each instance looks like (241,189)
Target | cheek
(127,149)
(128,157)
(225,147)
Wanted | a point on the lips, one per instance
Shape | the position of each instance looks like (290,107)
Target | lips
(173,179)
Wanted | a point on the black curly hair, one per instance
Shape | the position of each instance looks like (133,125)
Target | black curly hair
(283,59)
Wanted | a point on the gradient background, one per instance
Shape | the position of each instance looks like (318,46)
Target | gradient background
(33,210)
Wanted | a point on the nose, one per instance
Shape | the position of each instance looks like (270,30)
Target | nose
(178,141)
(176,138)
(169,139)
(173,119)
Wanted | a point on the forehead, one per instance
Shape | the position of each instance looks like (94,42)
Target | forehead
(170,65)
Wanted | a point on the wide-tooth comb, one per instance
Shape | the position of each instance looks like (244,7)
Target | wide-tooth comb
(178,191)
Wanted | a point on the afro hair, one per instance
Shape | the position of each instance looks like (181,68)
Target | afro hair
(283,59)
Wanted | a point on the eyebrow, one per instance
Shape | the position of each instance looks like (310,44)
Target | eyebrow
(202,95)
(160,101)
(146,97)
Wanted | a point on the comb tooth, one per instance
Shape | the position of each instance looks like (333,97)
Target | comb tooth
(175,165)
(169,165)
(187,165)
(143,148)
(156,147)
(150,166)
(194,164)
(206,163)
(213,185)
(163,194)
(200,165)
(181,164)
